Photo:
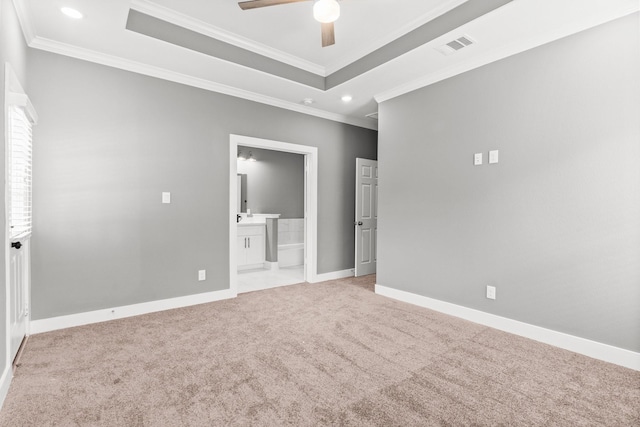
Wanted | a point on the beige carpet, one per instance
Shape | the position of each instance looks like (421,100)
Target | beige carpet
(327,354)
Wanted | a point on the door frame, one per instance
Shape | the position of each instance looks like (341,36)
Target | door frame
(310,203)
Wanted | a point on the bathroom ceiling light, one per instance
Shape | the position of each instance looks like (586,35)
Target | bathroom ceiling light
(326,11)
(251,158)
(71,13)
(347,98)
(241,156)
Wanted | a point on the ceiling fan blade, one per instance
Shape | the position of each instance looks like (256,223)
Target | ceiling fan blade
(328,36)
(253,4)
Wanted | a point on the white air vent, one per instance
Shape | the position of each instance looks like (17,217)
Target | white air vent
(373,115)
(455,45)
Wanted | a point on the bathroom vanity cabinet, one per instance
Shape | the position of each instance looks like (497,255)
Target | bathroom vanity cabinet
(251,246)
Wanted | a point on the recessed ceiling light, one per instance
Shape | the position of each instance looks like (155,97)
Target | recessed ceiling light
(347,98)
(308,101)
(71,13)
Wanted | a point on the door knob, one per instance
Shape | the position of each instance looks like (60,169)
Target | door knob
(16,245)
(357,223)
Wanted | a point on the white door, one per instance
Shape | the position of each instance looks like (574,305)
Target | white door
(366,221)
(19,119)
(18,293)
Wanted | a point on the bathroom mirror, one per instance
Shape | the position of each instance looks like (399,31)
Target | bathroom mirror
(242,193)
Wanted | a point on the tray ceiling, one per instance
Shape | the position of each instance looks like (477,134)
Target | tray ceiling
(383,49)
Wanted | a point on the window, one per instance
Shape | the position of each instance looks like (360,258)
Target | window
(19,173)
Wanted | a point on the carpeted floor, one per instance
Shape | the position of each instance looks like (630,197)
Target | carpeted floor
(332,353)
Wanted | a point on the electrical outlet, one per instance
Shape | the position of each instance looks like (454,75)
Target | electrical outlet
(493,156)
(166,197)
(477,159)
(491,292)
(202,275)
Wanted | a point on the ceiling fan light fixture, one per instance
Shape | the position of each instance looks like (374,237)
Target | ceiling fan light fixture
(326,11)
(71,13)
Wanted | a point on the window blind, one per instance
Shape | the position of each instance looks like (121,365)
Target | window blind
(20,140)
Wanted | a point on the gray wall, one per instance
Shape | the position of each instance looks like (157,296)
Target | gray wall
(274,183)
(110,141)
(12,50)
(555,226)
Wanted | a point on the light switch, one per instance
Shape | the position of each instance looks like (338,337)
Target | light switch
(202,275)
(477,159)
(493,156)
(166,197)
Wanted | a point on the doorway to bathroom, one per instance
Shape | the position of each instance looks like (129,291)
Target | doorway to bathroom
(270,219)
(273,206)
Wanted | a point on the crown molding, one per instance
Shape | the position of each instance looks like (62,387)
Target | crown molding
(501,53)
(174,76)
(446,73)
(185,21)
(28,29)
(383,41)
(209,30)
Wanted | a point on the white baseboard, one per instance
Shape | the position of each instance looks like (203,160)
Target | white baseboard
(79,319)
(270,265)
(5,382)
(597,350)
(261,265)
(334,275)
(103,315)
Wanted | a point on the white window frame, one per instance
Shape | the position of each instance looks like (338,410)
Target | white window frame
(21,118)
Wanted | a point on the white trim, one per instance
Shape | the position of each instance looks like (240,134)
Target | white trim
(273,266)
(97,316)
(597,350)
(500,53)
(28,29)
(5,383)
(311,200)
(185,21)
(261,265)
(333,275)
(174,76)
(383,41)
(22,100)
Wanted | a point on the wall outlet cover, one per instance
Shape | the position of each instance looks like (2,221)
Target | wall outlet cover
(166,197)
(202,275)
(493,156)
(491,292)
(477,159)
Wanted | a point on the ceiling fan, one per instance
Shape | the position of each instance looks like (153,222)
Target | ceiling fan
(324,11)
